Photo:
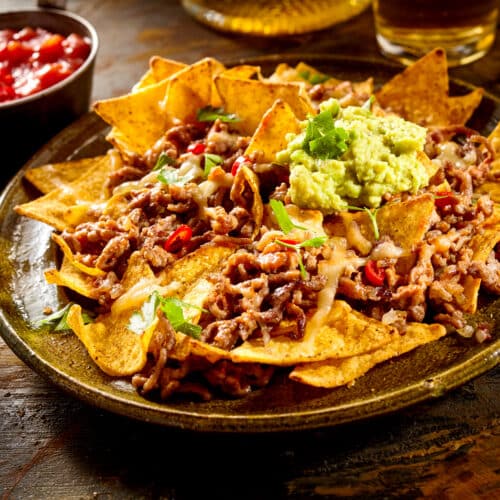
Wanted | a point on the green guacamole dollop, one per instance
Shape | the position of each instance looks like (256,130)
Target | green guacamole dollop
(381,157)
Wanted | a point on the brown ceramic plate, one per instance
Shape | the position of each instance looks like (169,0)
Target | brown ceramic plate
(26,250)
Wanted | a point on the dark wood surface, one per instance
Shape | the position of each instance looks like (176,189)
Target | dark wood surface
(52,446)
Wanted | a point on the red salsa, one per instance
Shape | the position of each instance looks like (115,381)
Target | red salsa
(33,59)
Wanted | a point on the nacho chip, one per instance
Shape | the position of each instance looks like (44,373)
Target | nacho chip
(138,116)
(245,192)
(117,350)
(420,94)
(270,136)
(72,278)
(404,222)
(461,108)
(67,206)
(336,372)
(189,90)
(91,271)
(493,187)
(344,332)
(48,177)
(159,69)
(482,244)
(245,71)
(250,99)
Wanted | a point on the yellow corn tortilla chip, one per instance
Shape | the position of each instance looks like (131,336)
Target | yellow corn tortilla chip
(67,206)
(336,372)
(420,92)
(493,187)
(482,244)
(461,108)
(74,279)
(344,332)
(91,271)
(245,71)
(250,99)
(115,349)
(159,69)
(48,177)
(404,222)
(138,116)
(270,136)
(189,90)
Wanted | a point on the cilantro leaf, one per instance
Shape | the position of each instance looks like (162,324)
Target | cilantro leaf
(313,78)
(211,161)
(59,318)
(313,242)
(323,139)
(211,113)
(284,221)
(169,175)
(172,308)
(372,214)
(141,320)
(163,159)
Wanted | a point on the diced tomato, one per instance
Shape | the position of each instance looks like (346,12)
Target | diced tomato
(241,160)
(17,52)
(6,92)
(444,198)
(176,239)
(76,47)
(196,148)
(51,49)
(6,35)
(25,34)
(50,74)
(374,275)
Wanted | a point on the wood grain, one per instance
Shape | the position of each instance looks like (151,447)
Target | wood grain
(52,446)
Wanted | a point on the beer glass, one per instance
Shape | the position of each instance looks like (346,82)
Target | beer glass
(273,18)
(407,29)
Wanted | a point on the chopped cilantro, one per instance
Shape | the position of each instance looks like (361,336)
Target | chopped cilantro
(313,242)
(372,214)
(313,78)
(169,175)
(173,310)
(211,161)
(211,113)
(284,221)
(59,318)
(163,159)
(323,139)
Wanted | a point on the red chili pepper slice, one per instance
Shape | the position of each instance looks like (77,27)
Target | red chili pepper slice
(238,162)
(444,198)
(290,242)
(196,149)
(374,275)
(176,239)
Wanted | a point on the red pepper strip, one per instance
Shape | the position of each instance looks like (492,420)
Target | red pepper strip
(238,162)
(444,198)
(196,149)
(374,275)
(181,235)
(289,242)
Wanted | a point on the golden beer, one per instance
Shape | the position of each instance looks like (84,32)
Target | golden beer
(272,18)
(407,29)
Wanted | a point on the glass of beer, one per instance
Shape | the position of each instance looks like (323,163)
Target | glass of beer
(273,18)
(407,29)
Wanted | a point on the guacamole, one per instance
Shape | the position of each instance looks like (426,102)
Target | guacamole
(369,156)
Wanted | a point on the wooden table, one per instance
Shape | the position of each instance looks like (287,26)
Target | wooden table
(52,446)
